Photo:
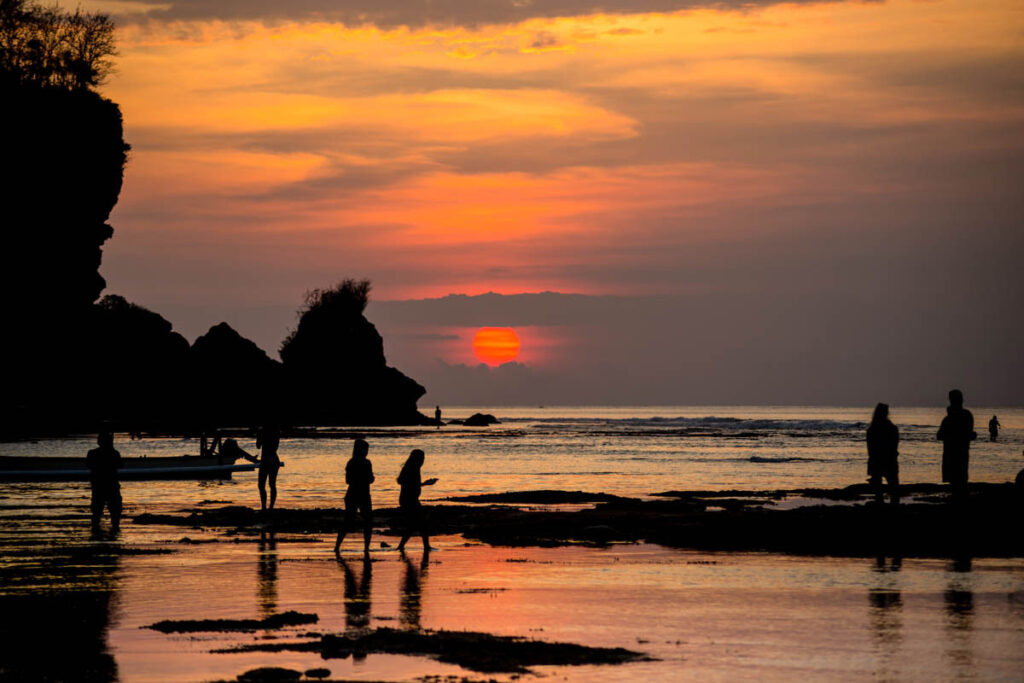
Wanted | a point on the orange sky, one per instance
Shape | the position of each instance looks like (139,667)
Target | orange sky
(467,146)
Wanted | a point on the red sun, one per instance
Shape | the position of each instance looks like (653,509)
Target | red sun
(496,345)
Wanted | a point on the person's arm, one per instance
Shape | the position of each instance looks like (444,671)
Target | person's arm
(369,472)
(430,482)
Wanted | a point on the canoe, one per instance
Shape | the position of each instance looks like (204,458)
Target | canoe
(14,468)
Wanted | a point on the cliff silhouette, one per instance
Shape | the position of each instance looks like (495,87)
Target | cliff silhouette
(65,154)
(70,361)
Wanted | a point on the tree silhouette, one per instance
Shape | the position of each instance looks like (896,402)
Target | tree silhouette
(49,47)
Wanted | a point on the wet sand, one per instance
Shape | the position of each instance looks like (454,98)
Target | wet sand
(75,604)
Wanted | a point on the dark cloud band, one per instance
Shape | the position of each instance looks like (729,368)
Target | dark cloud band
(416,13)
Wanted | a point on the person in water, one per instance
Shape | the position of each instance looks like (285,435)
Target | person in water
(103,463)
(409,499)
(358,476)
(268,441)
(956,434)
(209,443)
(993,428)
(437,416)
(883,451)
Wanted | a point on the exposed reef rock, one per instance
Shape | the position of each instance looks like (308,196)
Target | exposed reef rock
(928,525)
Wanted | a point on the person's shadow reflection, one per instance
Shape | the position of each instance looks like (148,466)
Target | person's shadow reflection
(959,601)
(357,594)
(267,569)
(411,599)
(886,612)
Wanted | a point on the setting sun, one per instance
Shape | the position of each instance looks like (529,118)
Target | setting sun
(496,345)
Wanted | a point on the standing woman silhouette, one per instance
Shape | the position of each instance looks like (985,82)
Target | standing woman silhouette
(409,499)
(269,439)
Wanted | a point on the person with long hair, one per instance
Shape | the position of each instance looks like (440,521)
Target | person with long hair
(410,479)
(358,476)
(883,451)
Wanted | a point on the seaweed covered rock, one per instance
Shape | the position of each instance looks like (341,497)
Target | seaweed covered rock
(336,367)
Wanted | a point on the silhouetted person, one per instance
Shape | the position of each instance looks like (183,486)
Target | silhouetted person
(437,416)
(268,440)
(358,476)
(1019,481)
(209,443)
(956,434)
(883,451)
(411,599)
(104,462)
(357,594)
(409,499)
(993,428)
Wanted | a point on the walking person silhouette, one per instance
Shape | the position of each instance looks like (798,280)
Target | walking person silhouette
(409,499)
(358,476)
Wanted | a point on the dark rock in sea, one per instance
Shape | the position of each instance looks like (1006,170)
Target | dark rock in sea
(274,621)
(482,652)
(232,378)
(480,420)
(924,526)
(542,497)
(270,674)
(336,366)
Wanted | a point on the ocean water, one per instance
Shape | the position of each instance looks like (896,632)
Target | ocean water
(632,451)
(701,616)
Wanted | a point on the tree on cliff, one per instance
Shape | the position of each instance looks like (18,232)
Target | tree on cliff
(46,46)
(335,362)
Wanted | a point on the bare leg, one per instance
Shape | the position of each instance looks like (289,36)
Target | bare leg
(401,544)
(114,504)
(341,537)
(263,488)
(367,533)
(97,509)
(273,488)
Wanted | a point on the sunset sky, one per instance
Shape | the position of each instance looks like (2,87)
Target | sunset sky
(742,202)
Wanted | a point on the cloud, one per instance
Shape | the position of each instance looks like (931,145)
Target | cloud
(411,13)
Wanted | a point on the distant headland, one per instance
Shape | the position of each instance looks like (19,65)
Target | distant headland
(71,359)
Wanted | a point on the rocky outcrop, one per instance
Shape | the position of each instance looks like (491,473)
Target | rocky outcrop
(336,367)
(233,381)
(64,154)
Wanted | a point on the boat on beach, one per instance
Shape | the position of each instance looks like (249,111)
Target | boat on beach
(217,466)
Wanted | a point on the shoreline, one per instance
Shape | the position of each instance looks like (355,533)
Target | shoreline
(926,524)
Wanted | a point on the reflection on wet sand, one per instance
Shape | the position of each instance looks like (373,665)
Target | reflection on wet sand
(959,601)
(410,603)
(357,593)
(57,629)
(886,612)
(267,569)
